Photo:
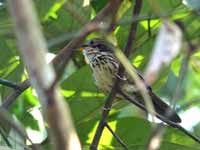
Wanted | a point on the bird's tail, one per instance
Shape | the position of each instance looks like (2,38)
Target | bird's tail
(163,109)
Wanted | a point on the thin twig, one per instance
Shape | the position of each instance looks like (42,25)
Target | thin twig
(4,137)
(116,137)
(112,94)
(9,84)
(8,101)
(102,122)
(22,144)
(142,88)
(149,28)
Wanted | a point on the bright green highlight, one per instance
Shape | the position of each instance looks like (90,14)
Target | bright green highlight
(138,60)
(106,138)
(153,23)
(69,93)
(53,10)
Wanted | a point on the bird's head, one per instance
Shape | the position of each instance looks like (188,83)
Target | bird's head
(96,47)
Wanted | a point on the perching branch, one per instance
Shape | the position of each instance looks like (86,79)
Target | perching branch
(33,49)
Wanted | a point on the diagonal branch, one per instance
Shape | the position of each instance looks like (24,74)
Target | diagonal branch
(9,84)
(12,97)
(116,137)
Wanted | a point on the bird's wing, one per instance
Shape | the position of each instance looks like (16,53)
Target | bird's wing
(162,109)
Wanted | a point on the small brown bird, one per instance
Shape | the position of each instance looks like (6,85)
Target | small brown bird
(104,66)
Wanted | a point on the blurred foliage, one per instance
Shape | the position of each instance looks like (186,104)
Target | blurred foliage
(59,27)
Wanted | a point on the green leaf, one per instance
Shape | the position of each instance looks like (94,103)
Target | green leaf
(83,78)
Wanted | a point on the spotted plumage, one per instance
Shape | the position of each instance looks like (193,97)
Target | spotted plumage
(104,66)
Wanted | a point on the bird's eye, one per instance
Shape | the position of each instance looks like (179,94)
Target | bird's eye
(91,42)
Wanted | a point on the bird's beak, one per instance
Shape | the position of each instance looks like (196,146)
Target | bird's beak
(83,47)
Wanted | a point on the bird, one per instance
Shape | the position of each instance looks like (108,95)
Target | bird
(104,65)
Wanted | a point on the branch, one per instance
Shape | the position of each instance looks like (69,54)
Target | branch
(116,137)
(9,84)
(132,72)
(133,28)
(109,100)
(12,97)
(33,49)
(112,94)
(4,137)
